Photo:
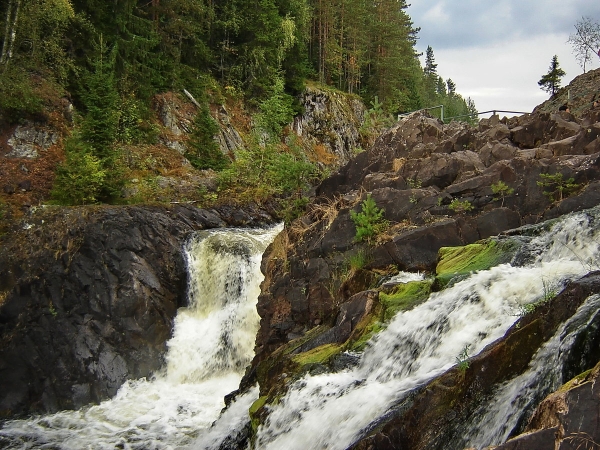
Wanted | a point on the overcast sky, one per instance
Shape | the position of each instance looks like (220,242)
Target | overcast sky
(496,51)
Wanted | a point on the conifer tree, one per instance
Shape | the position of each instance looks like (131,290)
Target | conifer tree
(551,81)
(430,68)
(203,151)
(100,97)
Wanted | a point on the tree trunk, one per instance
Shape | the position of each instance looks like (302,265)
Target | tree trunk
(8,31)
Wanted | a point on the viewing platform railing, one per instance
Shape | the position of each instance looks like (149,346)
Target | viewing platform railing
(448,119)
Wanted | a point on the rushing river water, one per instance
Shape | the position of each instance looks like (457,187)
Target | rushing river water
(214,337)
(334,410)
(212,343)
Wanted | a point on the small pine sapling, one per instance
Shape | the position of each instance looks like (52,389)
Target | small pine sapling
(501,191)
(557,186)
(368,221)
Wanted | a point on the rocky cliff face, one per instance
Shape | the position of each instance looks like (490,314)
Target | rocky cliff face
(330,125)
(88,296)
(440,186)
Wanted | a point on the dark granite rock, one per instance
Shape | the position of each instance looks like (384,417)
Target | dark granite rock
(89,299)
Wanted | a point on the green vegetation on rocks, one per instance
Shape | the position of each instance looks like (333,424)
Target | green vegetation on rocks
(319,355)
(369,221)
(404,296)
(458,262)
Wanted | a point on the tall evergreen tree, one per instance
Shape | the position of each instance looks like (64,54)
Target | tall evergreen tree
(100,97)
(551,81)
(430,68)
(203,151)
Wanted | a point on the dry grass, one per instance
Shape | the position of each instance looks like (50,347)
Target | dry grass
(398,164)
(323,213)
(3,297)
(392,230)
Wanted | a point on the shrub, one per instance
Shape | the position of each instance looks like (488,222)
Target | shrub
(260,171)
(501,190)
(369,221)
(462,360)
(80,179)
(557,186)
(18,96)
(460,206)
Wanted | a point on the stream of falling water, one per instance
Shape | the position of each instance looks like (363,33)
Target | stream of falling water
(333,410)
(212,343)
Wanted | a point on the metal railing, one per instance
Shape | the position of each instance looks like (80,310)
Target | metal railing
(494,112)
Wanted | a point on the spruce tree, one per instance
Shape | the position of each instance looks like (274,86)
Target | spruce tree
(203,152)
(551,81)
(430,65)
(100,98)
(100,125)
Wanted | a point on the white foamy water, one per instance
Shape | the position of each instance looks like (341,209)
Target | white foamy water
(331,411)
(212,343)
(492,423)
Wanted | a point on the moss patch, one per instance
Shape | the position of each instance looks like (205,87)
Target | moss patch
(457,262)
(319,355)
(253,411)
(372,326)
(404,296)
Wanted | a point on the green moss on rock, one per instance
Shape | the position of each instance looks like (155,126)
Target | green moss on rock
(373,326)
(404,296)
(458,262)
(255,420)
(318,355)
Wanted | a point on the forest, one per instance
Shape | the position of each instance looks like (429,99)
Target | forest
(110,58)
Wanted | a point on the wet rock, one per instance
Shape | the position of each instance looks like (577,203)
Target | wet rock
(431,417)
(565,420)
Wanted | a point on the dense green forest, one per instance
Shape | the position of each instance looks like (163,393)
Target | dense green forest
(249,47)
(109,58)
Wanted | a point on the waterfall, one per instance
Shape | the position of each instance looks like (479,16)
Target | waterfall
(493,421)
(212,343)
(334,410)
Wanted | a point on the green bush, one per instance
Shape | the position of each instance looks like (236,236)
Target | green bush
(368,221)
(261,171)
(80,179)
(460,206)
(18,96)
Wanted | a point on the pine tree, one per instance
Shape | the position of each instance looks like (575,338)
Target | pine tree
(203,151)
(551,81)
(100,97)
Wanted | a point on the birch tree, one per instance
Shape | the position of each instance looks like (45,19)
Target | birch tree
(585,41)
(10,30)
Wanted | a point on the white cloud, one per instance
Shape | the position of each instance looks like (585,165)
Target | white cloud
(449,24)
(505,75)
(496,52)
